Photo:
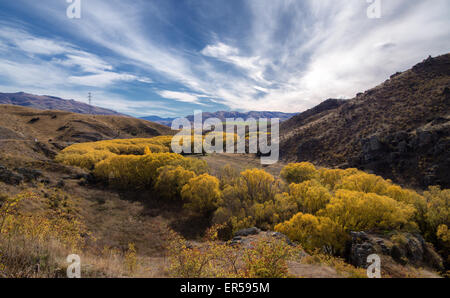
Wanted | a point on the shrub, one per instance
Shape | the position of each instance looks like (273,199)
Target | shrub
(310,196)
(363,211)
(413,198)
(139,171)
(314,232)
(363,182)
(228,176)
(331,178)
(201,194)
(171,180)
(267,259)
(250,202)
(257,186)
(131,258)
(443,234)
(299,172)
(31,243)
(87,155)
(285,206)
(438,206)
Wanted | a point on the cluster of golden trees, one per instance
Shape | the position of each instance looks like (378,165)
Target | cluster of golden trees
(138,171)
(87,155)
(318,207)
(315,206)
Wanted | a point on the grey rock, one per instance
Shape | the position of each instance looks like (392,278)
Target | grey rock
(414,250)
(248,232)
(279,235)
(360,249)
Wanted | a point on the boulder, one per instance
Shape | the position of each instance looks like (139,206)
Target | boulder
(412,250)
(361,247)
(247,232)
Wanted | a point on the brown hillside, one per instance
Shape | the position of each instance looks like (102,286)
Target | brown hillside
(45,132)
(399,129)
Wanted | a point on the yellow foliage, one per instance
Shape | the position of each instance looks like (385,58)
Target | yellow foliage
(310,196)
(285,206)
(171,180)
(438,205)
(443,233)
(126,171)
(228,176)
(131,258)
(58,224)
(314,232)
(330,178)
(362,211)
(299,172)
(201,194)
(87,155)
(147,150)
(364,182)
(265,258)
(257,186)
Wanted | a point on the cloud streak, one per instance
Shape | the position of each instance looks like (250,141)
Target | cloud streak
(290,56)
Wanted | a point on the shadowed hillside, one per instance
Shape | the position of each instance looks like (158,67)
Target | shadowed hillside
(399,129)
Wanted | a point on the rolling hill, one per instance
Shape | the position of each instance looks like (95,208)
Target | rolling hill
(45,102)
(35,132)
(399,129)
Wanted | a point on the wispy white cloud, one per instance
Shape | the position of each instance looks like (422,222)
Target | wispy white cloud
(25,67)
(182,96)
(293,55)
(253,66)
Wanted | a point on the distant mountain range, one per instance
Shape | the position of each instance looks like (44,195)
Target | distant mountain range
(223,115)
(163,121)
(46,102)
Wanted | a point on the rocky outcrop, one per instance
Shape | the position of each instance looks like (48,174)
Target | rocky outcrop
(421,155)
(247,232)
(403,248)
(361,247)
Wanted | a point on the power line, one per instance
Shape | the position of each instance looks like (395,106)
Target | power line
(90,102)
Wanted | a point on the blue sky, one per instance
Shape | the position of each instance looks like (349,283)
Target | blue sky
(171,57)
